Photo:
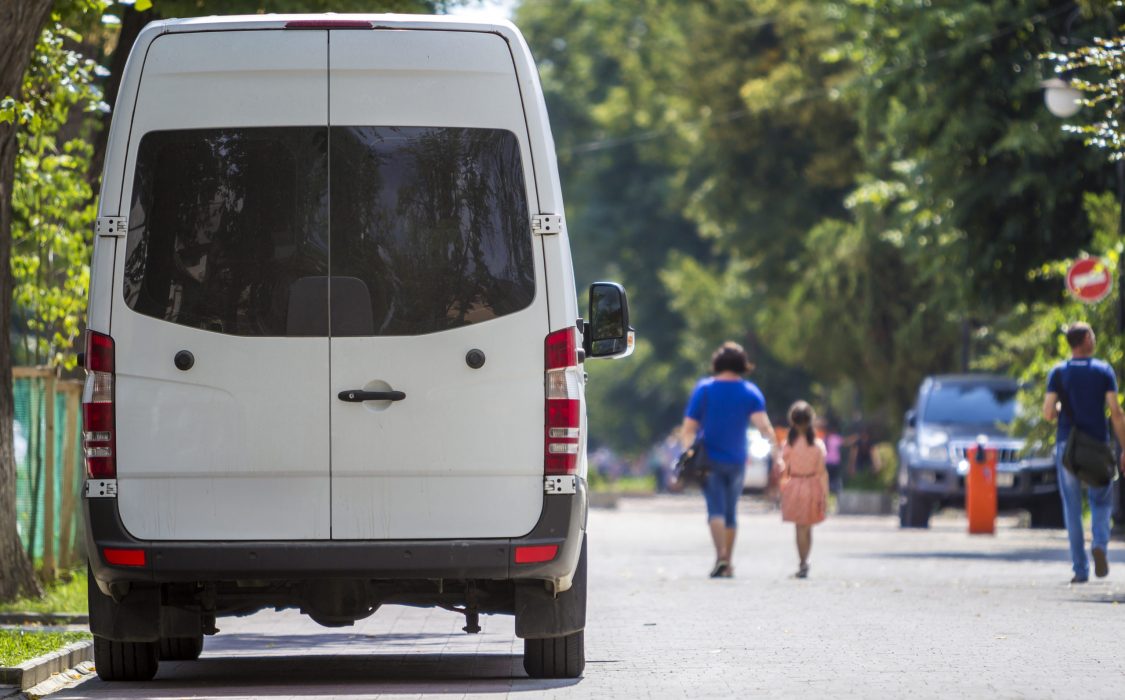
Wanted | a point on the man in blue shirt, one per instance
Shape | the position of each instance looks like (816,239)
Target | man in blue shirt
(1089,386)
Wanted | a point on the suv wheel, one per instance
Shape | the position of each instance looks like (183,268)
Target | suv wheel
(181,648)
(125,661)
(557,657)
(914,511)
(1047,516)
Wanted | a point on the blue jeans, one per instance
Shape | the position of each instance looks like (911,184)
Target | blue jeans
(1101,505)
(722,489)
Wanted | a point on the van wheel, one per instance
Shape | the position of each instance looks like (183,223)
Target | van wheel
(181,648)
(125,661)
(556,657)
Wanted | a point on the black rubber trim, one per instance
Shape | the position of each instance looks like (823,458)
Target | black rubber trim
(562,522)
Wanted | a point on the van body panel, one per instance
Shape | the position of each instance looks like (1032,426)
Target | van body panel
(101,284)
(237,447)
(219,457)
(462,454)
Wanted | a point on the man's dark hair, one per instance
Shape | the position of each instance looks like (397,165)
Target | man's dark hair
(730,357)
(1076,333)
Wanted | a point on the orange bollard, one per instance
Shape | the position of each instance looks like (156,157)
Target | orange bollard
(980,490)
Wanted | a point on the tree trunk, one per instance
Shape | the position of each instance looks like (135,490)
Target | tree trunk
(20,24)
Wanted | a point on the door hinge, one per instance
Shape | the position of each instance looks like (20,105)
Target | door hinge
(111,226)
(560,484)
(101,488)
(546,224)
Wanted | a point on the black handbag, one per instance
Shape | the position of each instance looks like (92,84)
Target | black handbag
(693,465)
(1088,458)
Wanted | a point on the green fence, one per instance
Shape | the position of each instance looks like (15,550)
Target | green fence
(49,472)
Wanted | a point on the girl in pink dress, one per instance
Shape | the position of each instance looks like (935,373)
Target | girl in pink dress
(804,480)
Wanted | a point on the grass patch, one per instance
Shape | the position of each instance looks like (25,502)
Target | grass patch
(625,484)
(17,646)
(67,595)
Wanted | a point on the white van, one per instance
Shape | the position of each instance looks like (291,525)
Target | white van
(334,357)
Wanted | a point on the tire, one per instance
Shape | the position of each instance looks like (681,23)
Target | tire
(181,648)
(1047,516)
(125,661)
(914,511)
(557,657)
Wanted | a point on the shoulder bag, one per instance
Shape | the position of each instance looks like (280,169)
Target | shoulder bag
(694,465)
(1085,456)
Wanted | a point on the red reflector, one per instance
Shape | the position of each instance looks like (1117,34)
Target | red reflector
(562,349)
(536,554)
(99,352)
(124,557)
(328,24)
(97,417)
(563,413)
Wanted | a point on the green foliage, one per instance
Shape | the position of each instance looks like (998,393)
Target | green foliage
(67,595)
(1099,71)
(19,645)
(1032,340)
(52,202)
(845,187)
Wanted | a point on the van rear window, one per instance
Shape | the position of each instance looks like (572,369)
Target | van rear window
(406,230)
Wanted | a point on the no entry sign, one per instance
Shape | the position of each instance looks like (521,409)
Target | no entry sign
(1089,280)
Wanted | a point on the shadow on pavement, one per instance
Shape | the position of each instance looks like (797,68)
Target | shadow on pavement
(1061,554)
(320,642)
(330,676)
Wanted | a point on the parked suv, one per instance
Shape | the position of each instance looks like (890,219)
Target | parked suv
(334,358)
(951,412)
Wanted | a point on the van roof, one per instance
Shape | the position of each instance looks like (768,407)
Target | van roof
(378,21)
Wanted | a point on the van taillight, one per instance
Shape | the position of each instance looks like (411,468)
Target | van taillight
(98,440)
(561,443)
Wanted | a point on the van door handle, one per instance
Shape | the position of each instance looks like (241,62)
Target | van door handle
(357,395)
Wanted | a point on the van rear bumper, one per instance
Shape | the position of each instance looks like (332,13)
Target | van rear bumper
(561,523)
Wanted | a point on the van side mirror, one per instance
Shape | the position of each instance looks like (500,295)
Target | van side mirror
(911,419)
(607,334)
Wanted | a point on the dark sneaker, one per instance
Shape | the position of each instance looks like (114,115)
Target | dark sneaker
(1079,579)
(803,572)
(1101,564)
(728,572)
(721,568)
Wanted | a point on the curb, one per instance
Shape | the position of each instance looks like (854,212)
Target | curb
(45,619)
(33,672)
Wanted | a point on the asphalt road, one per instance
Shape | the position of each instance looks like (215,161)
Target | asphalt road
(885,613)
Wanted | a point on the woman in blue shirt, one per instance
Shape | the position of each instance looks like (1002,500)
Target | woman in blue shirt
(721,406)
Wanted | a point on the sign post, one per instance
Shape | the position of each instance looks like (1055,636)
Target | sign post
(1089,280)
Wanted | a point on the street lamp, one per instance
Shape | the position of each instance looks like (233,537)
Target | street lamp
(1062,100)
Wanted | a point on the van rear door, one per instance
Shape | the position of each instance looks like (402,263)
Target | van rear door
(226,258)
(438,289)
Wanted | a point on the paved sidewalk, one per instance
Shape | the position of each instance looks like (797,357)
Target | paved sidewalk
(886,614)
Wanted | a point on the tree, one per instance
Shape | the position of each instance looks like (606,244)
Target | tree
(20,25)
(697,142)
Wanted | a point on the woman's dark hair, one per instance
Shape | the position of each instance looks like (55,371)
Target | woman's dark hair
(730,357)
(801,417)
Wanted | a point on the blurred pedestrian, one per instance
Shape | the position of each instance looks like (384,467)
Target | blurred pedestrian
(721,406)
(804,484)
(834,457)
(1086,386)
